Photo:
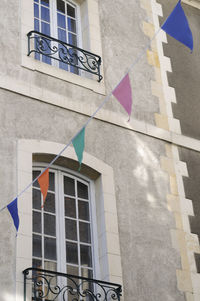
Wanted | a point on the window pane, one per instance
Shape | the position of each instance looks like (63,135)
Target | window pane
(82,191)
(37,222)
(83,210)
(37,246)
(86,255)
(45,14)
(71,25)
(70,229)
(45,28)
(49,224)
(86,273)
(51,266)
(84,229)
(61,21)
(51,181)
(36,25)
(72,39)
(61,6)
(49,204)
(70,11)
(50,248)
(36,263)
(71,253)
(35,174)
(72,270)
(62,37)
(36,195)
(70,207)
(36,11)
(45,2)
(69,187)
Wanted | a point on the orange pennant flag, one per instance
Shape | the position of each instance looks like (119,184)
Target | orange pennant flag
(43,180)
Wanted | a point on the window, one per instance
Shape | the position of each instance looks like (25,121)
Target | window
(58,19)
(62,230)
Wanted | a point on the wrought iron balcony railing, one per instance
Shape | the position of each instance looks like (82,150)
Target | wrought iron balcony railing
(65,53)
(49,285)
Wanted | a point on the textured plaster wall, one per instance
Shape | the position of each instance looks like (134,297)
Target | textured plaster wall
(186,72)
(148,259)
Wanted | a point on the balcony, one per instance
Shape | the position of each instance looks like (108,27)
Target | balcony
(49,285)
(68,55)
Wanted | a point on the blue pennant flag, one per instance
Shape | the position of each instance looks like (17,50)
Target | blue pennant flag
(177,26)
(13,209)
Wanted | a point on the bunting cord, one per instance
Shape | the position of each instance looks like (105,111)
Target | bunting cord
(140,55)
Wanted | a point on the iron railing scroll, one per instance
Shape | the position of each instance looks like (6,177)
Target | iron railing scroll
(50,285)
(65,53)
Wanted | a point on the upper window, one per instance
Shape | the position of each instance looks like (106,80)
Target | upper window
(58,19)
(62,230)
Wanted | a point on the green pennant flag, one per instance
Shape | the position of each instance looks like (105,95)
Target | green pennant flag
(79,144)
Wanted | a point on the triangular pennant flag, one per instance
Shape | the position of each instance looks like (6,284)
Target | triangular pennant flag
(43,181)
(123,94)
(79,144)
(177,26)
(13,209)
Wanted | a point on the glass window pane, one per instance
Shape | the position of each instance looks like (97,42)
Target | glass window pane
(45,28)
(82,190)
(72,39)
(70,207)
(36,11)
(61,6)
(61,36)
(61,21)
(51,181)
(36,1)
(37,222)
(71,25)
(45,2)
(36,195)
(86,273)
(37,246)
(51,266)
(35,174)
(36,25)
(83,210)
(50,248)
(71,252)
(45,14)
(49,224)
(69,187)
(49,204)
(36,263)
(72,270)
(70,229)
(70,11)
(84,229)
(86,256)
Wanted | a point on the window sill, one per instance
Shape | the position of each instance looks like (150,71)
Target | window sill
(92,84)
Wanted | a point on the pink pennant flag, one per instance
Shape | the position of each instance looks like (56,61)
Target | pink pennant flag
(123,94)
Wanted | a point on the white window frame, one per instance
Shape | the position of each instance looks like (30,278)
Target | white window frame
(59,173)
(90,40)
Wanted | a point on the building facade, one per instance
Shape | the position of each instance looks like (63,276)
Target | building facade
(131,215)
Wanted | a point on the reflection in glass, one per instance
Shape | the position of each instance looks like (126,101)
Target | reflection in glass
(70,229)
(37,246)
(83,210)
(50,248)
(70,207)
(69,186)
(70,11)
(72,252)
(61,6)
(86,255)
(36,222)
(49,224)
(82,190)
(84,229)
(49,204)
(36,195)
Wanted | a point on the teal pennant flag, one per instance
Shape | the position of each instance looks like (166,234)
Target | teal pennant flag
(79,144)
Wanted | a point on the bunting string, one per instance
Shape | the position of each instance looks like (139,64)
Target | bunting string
(106,99)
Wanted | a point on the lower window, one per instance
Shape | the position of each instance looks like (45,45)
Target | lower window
(62,229)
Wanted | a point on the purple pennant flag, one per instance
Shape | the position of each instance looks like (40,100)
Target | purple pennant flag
(177,26)
(123,94)
(13,209)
